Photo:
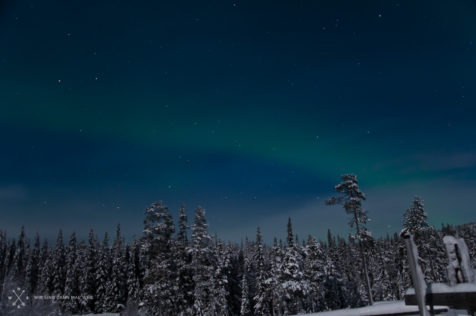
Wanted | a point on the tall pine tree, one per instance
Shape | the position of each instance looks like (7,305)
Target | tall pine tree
(351,198)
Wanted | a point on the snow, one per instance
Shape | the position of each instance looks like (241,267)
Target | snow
(443,288)
(105,314)
(379,308)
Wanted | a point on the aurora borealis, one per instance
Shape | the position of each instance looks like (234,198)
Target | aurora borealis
(251,109)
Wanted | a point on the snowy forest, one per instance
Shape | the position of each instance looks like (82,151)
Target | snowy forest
(180,269)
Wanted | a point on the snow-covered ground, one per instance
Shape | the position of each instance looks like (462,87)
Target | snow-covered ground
(439,288)
(379,308)
(105,314)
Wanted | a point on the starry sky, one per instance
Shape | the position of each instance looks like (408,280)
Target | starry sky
(251,109)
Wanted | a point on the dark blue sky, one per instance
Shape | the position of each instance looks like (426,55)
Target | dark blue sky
(251,109)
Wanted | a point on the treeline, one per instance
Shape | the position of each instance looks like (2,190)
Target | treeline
(182,270)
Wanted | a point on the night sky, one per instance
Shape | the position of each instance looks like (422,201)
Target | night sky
(252,109)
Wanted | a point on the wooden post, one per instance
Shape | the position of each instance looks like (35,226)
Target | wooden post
(416,273)
(459,267)
(459,264)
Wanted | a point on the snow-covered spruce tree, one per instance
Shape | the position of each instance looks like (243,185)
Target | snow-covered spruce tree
(3,256)
(33,267)
(314,272)
(351,198)
(71,287)
(400,283)
(350,268)
(293,284)
(20,260)
(59,265)
(160,278)
(334,287)
(415,220)
(437,256)
(331,241)
(9,282)
(202,264)
(250,253)
(383,270)
(134,275)
(182,235)
(403,280)
(125,265)
(234,279)
(263,297)
(245,299)
(46,270)
(220,290)
(88,284)
(273,281)
(103,274)
(10,257)
(116,285)
(183,260)
(400,278)
(79,268)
